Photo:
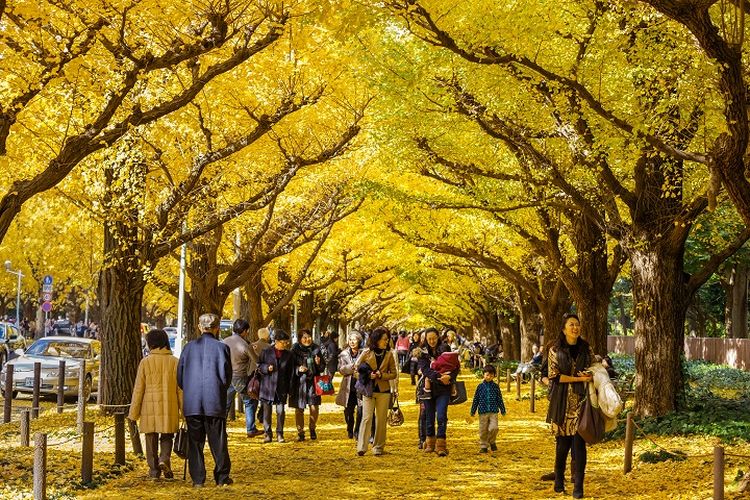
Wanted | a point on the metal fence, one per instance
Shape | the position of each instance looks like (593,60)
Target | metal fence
(732,352)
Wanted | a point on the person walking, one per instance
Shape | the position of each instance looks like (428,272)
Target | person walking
(488,400)
(414,353)
(260,345)
(330,350)
(382,369)
(275,365)
(244,363)
(308,363)
(204,374)
(567,360)
(436,408)
(347,395)
(157,402)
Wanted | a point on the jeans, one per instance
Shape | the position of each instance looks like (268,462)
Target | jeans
(436,407)
(577,446)
(422,423)
(238,386)
(280,415)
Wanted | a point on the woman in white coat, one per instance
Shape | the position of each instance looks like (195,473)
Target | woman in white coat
(347,396)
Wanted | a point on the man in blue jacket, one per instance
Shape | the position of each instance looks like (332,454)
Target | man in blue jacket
(204,374)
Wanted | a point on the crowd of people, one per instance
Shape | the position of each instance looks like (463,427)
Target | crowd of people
(270,375)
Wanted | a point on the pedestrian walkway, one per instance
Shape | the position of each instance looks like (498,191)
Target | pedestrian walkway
(329,468)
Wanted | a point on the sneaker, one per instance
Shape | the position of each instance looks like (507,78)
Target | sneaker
(197,485)
(255,432)
(493,447)
(377,453)
(228,482)
(280,439)
(166,470)
(482,450)
(313,435)
(268,438)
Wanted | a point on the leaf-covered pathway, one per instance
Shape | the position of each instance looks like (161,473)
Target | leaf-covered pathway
(329,467)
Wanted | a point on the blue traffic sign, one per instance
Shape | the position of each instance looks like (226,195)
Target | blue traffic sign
(47,280)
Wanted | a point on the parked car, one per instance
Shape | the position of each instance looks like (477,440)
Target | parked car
(171,330)
(225,328)
(10,340)
(62,327)
(50,351)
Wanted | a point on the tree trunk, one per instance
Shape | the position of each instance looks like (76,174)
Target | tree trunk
(594,289)
(305,312)
(254,293)
(531,325)
(510,334)
(283,320)
(121,294)
(736,308)
(661,304)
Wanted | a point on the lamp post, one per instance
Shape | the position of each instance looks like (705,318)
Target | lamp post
(18,292)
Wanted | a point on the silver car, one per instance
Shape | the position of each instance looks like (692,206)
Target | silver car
(50,351)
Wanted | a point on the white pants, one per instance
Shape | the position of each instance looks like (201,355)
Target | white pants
(377,404)
(487,429)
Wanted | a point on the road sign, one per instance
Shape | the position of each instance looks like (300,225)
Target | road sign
(47,280)
(46,288)
(46,297)
(46,307)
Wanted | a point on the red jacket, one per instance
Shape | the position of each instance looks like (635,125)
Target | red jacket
(446,362)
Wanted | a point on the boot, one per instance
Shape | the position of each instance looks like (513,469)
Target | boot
(440,447)
(429,444)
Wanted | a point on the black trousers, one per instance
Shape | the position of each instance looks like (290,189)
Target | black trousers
(352,406)
(215,428)
(564,445)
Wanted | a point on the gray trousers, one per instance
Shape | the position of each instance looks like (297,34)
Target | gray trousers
(487,429)
(158,450)
(377,405)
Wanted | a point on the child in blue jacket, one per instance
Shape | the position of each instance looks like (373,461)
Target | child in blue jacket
(489,401)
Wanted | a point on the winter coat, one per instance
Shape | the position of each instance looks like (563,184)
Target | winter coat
(346,366)
(274,385)
(447,362)
(157,400)
(244,359)
(330,351)
(387,368)
(604,395)
(302,387)
(204,374)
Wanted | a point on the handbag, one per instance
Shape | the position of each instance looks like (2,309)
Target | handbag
(395,415)
(590,422)
(180,447)
(253,386)
(460,396)
(323,385)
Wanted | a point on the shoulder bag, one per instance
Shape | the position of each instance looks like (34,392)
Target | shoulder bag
(395,415)
(590,422)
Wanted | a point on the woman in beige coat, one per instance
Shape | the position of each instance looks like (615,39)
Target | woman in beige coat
(382,369)
(157,403)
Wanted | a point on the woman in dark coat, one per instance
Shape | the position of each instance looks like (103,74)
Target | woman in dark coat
(308,363)
(276,365)
(567,360)
(436,407)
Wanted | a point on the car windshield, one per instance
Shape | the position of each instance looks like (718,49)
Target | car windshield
(61,348)
(2,331)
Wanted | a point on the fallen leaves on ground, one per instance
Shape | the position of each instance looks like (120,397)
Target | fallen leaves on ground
(329,467)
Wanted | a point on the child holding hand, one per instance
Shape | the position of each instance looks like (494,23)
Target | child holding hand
(489,401)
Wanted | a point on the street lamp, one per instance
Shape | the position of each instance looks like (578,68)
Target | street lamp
(18,292)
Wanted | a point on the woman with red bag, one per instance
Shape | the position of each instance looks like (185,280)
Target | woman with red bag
(307,363)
